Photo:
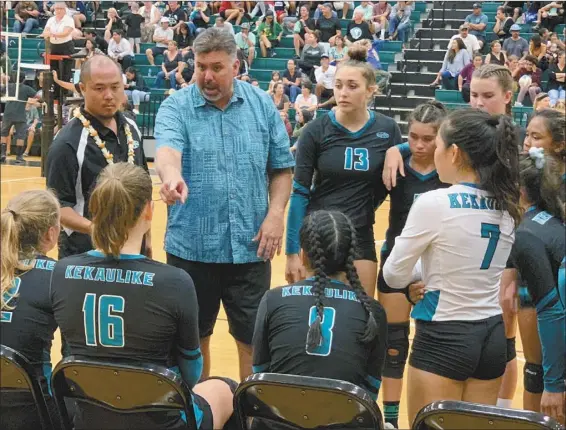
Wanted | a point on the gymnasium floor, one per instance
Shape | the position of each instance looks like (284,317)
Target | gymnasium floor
(15,179)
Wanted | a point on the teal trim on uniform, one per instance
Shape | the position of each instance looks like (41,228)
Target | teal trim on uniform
(418,175)
(332,281)
(426,308)
(530,209)
(471,185)
(261,367)
(358,133)
(99,254)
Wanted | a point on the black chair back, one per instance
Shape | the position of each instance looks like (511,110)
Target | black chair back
(120,387)
(17,377)
(455,415)
(275,401)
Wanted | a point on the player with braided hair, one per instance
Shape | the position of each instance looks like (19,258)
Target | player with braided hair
(463,237)
(343,340)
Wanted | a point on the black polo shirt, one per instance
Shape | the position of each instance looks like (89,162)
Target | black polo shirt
(73,164)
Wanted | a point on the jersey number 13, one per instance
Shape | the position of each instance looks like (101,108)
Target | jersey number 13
(110,326)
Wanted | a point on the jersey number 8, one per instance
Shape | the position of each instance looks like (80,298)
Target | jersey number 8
(326,326)
(110,326)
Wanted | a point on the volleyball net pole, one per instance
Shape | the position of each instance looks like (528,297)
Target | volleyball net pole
(48,126)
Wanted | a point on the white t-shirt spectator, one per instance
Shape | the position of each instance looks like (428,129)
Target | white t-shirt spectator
(471,42)
(56,26)
(160,33)
(226,27)
(119,50)
(367,11)
(242,43)
(326,78)
(153,14)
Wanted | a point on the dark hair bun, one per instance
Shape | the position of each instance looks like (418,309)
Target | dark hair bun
(436,104)
(358,52)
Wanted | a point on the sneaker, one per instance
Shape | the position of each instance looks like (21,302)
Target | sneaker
(389,426)
(135,111)
(3,159)
(273,53)
(26,154)
(19,160)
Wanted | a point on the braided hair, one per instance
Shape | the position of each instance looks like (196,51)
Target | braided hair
(329,240)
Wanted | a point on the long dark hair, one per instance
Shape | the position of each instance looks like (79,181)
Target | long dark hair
(329,239)
(555,123)
(491,146)
(452,53)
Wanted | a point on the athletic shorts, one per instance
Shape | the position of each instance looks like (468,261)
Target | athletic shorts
(525,299)
(158,50)
(20,128)
(240,288)
(461,349)
(366,245)
(382,286)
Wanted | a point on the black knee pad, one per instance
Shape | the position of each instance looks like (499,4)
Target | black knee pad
(397,339)
(511,351)
(533,378)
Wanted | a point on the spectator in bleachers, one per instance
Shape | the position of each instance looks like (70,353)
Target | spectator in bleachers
(304,25)
(113,23)
(503,23)
(262,6)
(366,9)
(400,21)
(306,100)
(279,97)
(311,54)
(358,29)
(26,17)
(292,80)
(516,45)
(200,16)
(381,13)
(554,46)
(275,79)
(304,116)
(120,49)
(222,24)
(161,36)
(186,72)
(329,27)
(88,51)
(281,10)
(184,37)
(246,41)
(151,16)
(556,80)
(512,65)
(169,67)
(136,89)
(33,125)
(528,75)
(270,34)
(542,101)
(324,78)
(243,70)
(319,11)
(134,23)
(531,13)
(77,11)
(514,8)
(455,60)
(538,49)
(100,42)
(176,15)
(465,76)
(470,41)
(343,6)
(550,15)
(339,51)
(232,10)
(477,22)
(496,56)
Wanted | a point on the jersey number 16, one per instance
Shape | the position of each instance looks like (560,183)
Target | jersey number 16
(110,326)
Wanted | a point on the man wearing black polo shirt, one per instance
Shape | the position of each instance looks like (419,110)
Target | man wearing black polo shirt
(329,27)
(88,143)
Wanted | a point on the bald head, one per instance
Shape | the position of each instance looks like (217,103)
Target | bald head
(97,64)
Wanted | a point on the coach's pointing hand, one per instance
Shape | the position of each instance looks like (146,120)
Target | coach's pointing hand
(174,189)
(270,235)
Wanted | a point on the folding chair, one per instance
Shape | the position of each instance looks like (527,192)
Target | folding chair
(455,415)
(17,376)
(275,401)
(120,388)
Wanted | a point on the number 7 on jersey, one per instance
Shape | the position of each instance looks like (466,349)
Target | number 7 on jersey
(491,232)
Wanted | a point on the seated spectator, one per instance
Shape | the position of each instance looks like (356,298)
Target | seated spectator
(400,22)
(176,15)
(223,25)
(538,49)
(312,53)
(324,78)
(531,13)
(338,52)
(343,6)
(134,22)
(550,15)
(270,34)
(320,10)
(381,13)
(33,125)
(231,11)
(244,70)
(555,45)
(304,116)
(303,25)
(528,75)
(184,38)
(470,41)
(262,6)
(556,80)
(120,49)
(151,16)
(77,11)
(542,102)
(169,67)
(329,27)
(87,52)
(186,71)
(25,17)
(100,42)
(292,80)
(503,23)
(113,22)
(496,56)
(280,98)
(246,41)
(275,79)
(136,89)
(465,76)
(477,22)
(161,36)
(200,16)
(515,45)
(306,100)
(358,29)
(514,8)
(366,9)
(455,60)
(281,10)
(512,65)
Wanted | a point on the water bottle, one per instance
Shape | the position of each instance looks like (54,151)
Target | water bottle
(525,118)
(149,73)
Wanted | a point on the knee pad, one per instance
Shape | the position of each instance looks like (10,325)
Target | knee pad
(511,351)
(397,340)
(533,378)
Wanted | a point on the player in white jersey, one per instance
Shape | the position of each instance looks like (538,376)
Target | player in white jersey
(463,236)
